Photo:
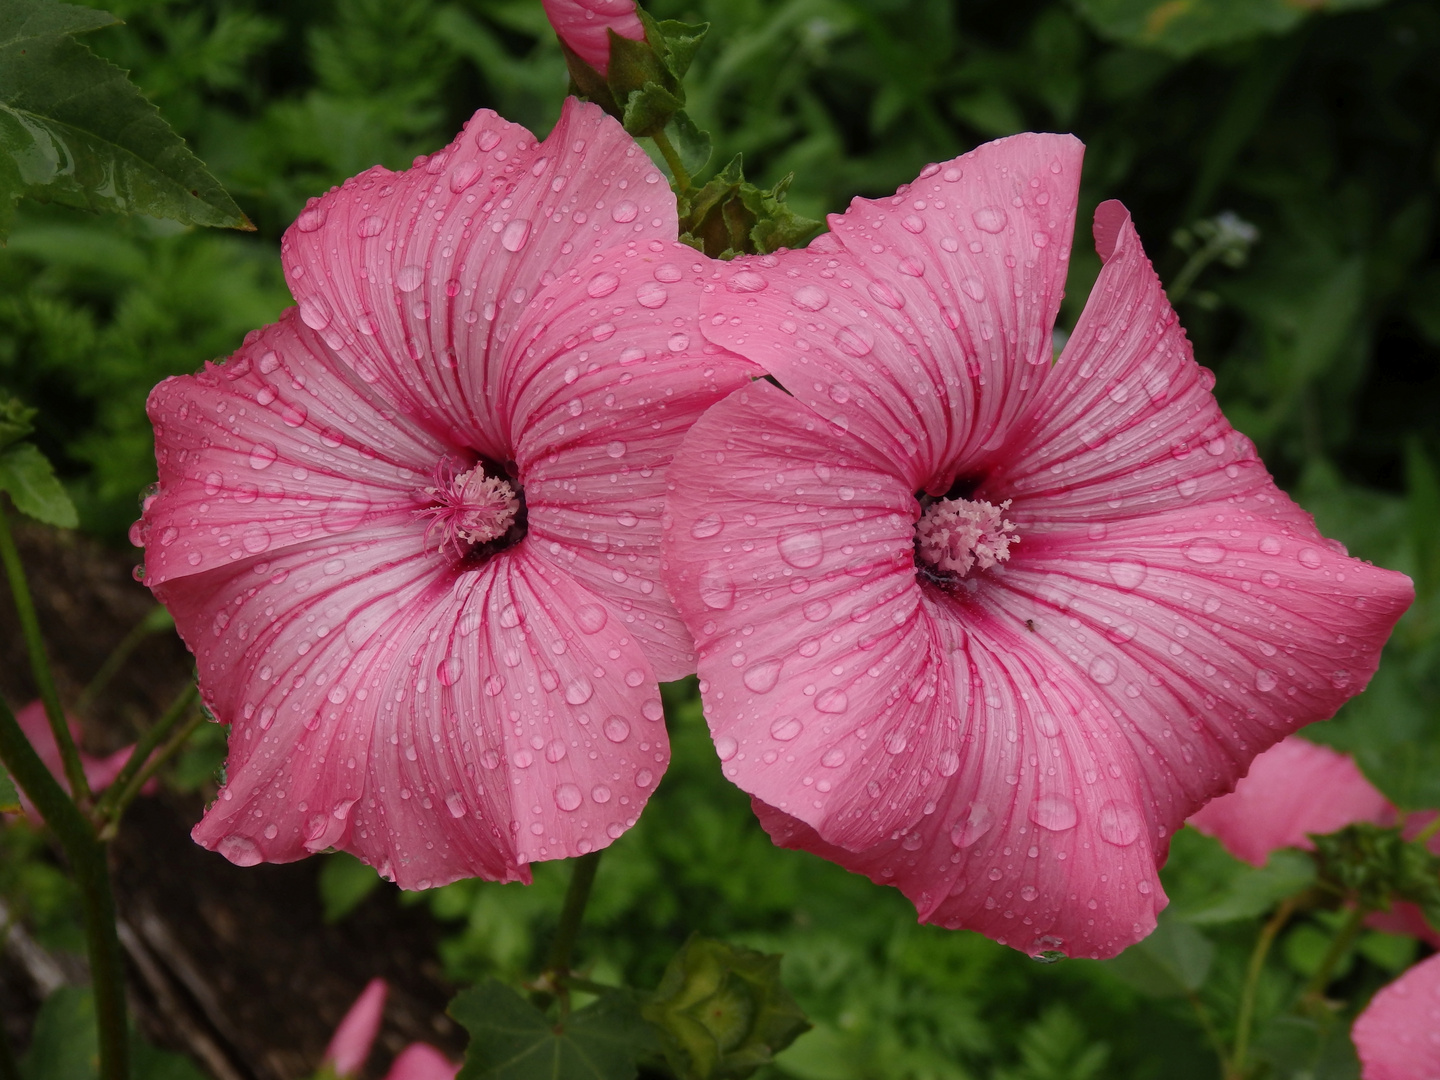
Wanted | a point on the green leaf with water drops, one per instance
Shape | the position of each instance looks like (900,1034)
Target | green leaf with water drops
(26,474)
(75,130)
(510,1039)
(1183,27)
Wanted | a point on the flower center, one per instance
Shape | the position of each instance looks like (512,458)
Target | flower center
(954,535)
(469,508)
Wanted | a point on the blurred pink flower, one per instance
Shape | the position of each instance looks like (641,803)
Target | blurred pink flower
(350,1045)
(583,25)
(1292,790)
(411,531)
(1010,742)
(99,772)
(1398,1034)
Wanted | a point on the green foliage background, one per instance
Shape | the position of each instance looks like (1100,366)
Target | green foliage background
(1317,123)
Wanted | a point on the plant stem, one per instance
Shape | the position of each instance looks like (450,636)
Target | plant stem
(132,641)
(139,780)
(1430,829)
(113,802)
(92,873)
(40,664)
(1349,930)
(576,897)
(672,159)
(1235,1070)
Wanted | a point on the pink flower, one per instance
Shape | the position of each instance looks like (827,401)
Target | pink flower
(1398,1034)
(350,1045)
(99,772)
(411,531)
(1012,743)
(1292,790)
(584,25)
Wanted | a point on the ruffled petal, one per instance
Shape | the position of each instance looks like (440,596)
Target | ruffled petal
(279,445)
(1398,1034)
(789,555)
(921,323)
(1293,790)
(448,255)
(603,385)
(436,725)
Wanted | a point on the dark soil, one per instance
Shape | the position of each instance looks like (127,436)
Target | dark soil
(235,967)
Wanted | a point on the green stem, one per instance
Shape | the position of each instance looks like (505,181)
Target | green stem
(557,968)
(1207,1025)
(672,159)
(1427,832)
(1194,267)
(113,802)
(1246,1018)
(39,664)
(92,873)
(1349,930)
(132,641)
(139,780)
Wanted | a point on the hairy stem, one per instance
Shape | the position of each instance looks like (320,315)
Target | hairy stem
(86,855)
(672,159)
(113,802)
(40,663)
(1246,1018)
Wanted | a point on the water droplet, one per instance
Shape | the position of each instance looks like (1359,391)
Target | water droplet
(625,212)
(579,690)
(255,540)
(644,778)
(1127,571)
(651,294)
(600,793)
(1120,824)
(786,728)
(726,747)
(855,340)
(1309,558)
(882,293)
(616,729)
(974,825)
(762,677)
(602,284)
(707,526)
(716,589)
(990,219)
(449,669)
(516,232)
(1265,681)
(409,278)
(464,174)
(833,700)
(262,456)
(974,288)
(1103,670)
(455,804)
(370,226)
(240,850)
(1054,812)
(314,313)
(817,610)
(1204,550)
(746,281)
(590,618)
(811,298)
(567,797)
(801,547)
(1271,545)
(833,758)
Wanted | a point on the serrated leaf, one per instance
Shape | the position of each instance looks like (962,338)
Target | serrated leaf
(692,144)
(649,109)
(75,130)
(510,1039)
(9,797)
(1183,27)
(26,474)
(682,41)
(1171,962)
(15,421)
(776,225)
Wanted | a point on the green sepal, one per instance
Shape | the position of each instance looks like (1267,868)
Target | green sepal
(649,109)
(9,797)
(15,421)
(26,474)
(692,144)
(677,42)
(730,216)
(1373,866)
(510,1039)
(722,1011)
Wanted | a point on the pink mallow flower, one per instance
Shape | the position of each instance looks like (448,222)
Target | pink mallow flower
(584,25)
(411,531)
(99,772)
(353,1038)
(1297,789)
(1398,1034)
(1010,743)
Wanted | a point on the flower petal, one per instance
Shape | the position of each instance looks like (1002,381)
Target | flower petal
(436,725)
(277,445)
(420,1061)
(583,25)
(355,1034)
(603,390)
(1292,790)
(451,251)
(921,323)
(1398,1034)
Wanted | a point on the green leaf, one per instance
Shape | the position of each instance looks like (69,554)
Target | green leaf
(776,225)
(1171,962)
(1183,27)
(75,130)
(345,882)
(15,421)
(722,1011)
(1208,887)
(510,1039)
(64,1046)
(649,108)
(681,42)
(9,797)
(26,474)
(692,144)
(1373,865)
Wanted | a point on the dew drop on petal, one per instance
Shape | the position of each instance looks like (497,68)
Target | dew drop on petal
(240,850)
(1127,571)
(625,212)
(811,298)
(616,729)
(990,219)
(726,747)
(762,677)
(1265,680)
(513,238)
(975,824)
(746,281)
(786,728)
(579,690)
(801,546)
(1054,812)
(833,700)
(833,758)
(1204,550)
(567,797)
(1103,670)
(602,284)
(855,340)
(409,277)
(1120,824)
(590,618)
